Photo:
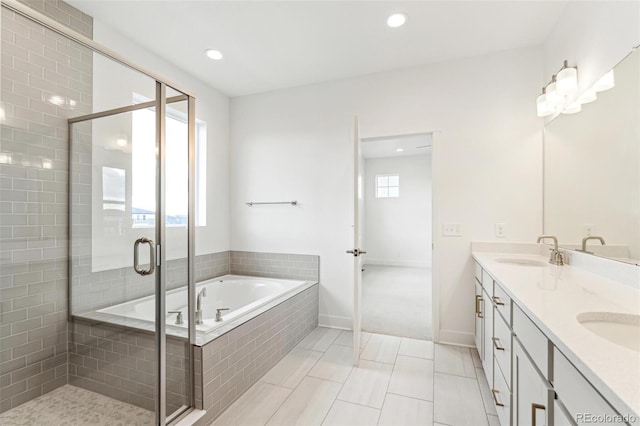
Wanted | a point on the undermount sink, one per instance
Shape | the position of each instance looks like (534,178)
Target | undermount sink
(522,262)
(621,329)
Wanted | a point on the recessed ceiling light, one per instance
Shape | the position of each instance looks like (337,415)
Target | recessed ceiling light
(396,20)
(399,150)
(216,55)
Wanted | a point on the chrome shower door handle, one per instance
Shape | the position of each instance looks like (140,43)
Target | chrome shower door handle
(152,257)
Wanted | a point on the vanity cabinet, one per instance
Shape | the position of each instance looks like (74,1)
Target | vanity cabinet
(530,390)
(531,381)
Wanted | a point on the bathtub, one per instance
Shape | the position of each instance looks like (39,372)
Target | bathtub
(243,296)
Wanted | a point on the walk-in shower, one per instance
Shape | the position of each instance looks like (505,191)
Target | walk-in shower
(126,146)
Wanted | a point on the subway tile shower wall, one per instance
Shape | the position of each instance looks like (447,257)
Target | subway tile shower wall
(37,64)
(276,265)
(96,290)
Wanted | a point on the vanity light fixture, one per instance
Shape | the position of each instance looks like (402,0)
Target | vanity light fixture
(573,108)
(588,96)
(214,54)
(396,20)
(543,107)
(606,82)
(559,94)
(567,79)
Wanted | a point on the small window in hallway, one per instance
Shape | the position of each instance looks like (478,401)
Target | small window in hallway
(387,186)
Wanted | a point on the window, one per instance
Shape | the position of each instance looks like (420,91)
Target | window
(177,167)
(387,186)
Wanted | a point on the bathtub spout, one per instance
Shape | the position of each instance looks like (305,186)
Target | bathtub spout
(202,293)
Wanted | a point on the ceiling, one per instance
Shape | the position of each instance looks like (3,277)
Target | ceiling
(384,147)
(270,45)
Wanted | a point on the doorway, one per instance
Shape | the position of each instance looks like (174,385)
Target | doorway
(397,232)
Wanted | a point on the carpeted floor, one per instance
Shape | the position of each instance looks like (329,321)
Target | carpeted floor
(397,301)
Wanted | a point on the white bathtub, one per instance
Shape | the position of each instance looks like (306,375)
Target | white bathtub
(242,295)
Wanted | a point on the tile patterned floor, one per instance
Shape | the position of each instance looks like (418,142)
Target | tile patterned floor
(400,381)
(73,406)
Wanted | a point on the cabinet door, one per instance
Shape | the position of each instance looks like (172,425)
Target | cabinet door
(479,320)
(487,361)
(531,394)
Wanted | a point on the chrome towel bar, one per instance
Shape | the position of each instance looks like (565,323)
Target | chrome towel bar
(253,203)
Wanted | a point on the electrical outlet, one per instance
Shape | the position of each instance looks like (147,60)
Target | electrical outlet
(589,229)
(500,230)
(451,230)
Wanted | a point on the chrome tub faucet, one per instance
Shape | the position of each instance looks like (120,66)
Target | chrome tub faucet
(202,293)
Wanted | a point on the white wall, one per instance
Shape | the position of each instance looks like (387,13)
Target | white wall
(594,35)
(297,144)
(398,230)
(113,88)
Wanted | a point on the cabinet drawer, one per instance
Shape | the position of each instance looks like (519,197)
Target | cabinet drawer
(502,348)
(487,283)
(532,340)
(576,393)
(502,302)
(478,273)
(502,399)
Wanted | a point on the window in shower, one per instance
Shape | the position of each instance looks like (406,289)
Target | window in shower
(387,186)
(144,144)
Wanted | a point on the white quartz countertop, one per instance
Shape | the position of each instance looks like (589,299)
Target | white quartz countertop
(552,296)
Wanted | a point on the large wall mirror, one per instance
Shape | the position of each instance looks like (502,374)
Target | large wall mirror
(592,170)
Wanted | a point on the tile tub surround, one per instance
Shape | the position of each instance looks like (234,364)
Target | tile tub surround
(95,290)
(231,364)
(275,265)
(36,64)
(119,362)
(552,297)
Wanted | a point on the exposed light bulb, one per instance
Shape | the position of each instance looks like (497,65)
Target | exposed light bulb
(121,142)
(397,20)
(399,150)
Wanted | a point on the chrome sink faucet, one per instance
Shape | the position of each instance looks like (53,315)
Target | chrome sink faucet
(555,258)
(587,238)
(202,293)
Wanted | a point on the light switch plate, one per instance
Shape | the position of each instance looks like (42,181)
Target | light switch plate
(500,230)
(451,230)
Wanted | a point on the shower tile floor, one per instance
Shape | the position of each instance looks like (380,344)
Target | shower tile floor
(73,406)
(400,381)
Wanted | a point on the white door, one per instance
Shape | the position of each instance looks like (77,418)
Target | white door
(357,251)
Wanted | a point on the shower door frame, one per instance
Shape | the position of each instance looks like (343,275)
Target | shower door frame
(160,275)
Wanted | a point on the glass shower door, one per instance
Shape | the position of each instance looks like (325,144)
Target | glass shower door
(131,242)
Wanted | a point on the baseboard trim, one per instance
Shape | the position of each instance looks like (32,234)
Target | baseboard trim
(406,263)
(453,337)
(333,321)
